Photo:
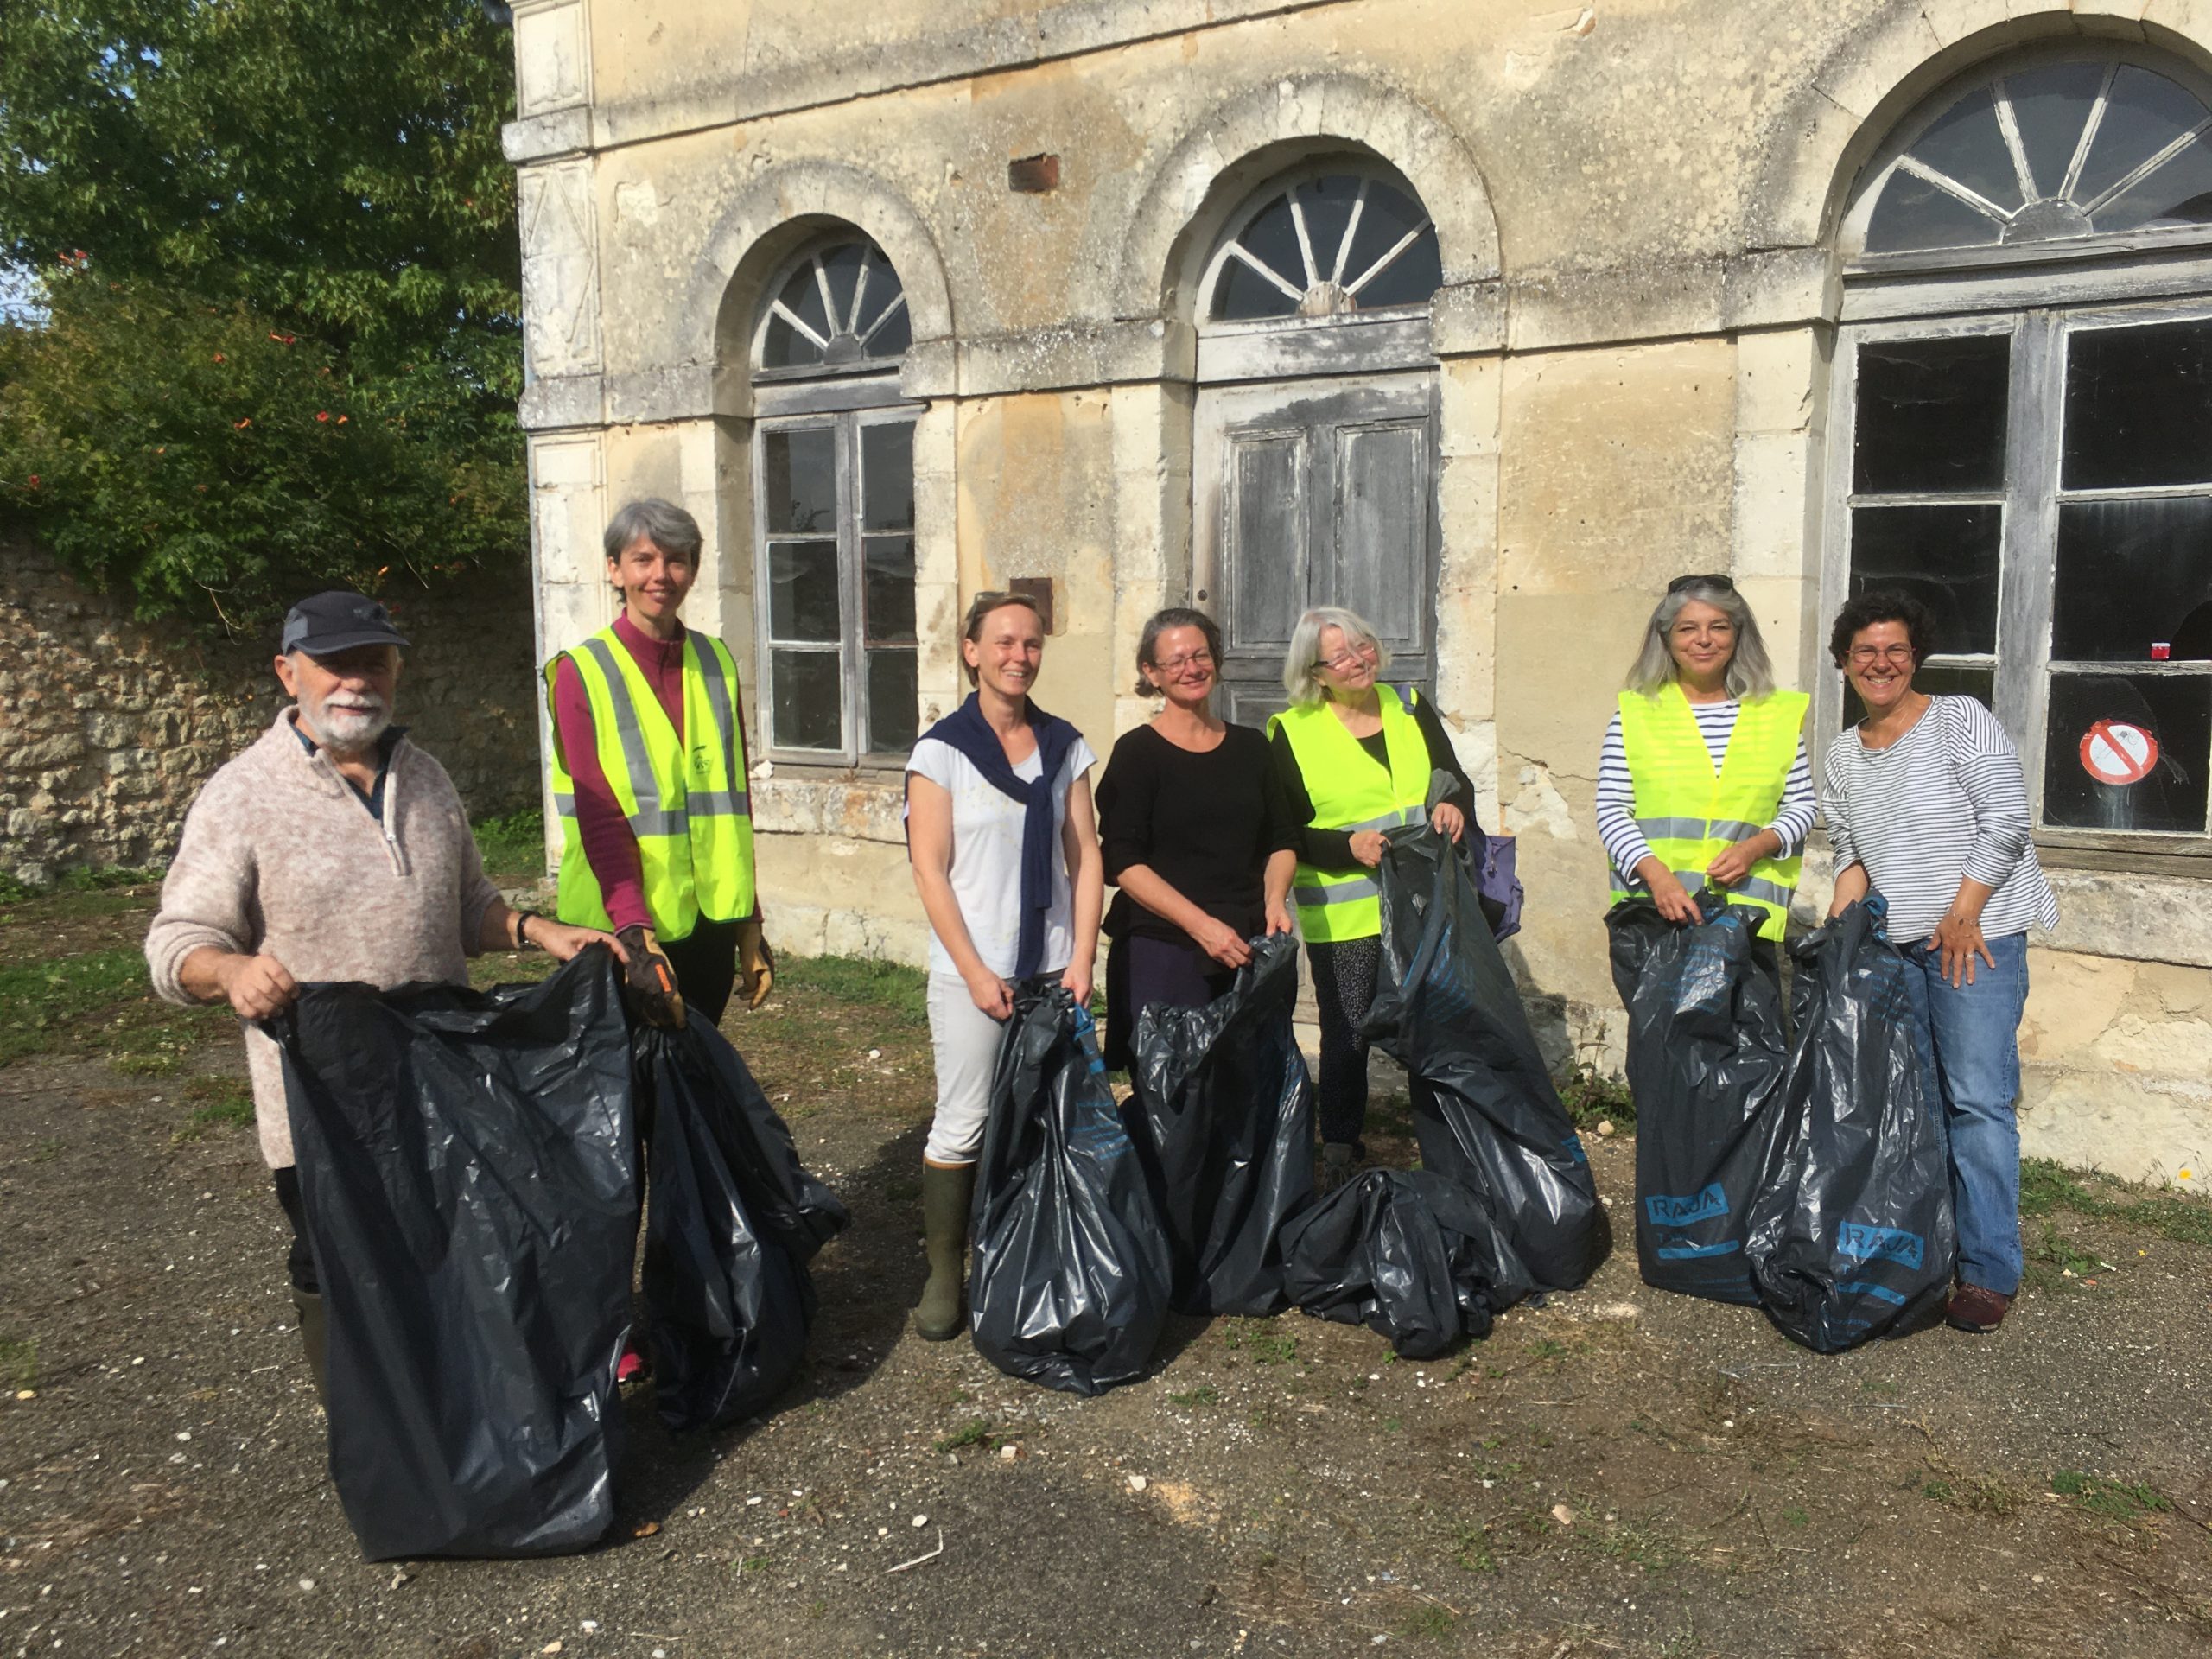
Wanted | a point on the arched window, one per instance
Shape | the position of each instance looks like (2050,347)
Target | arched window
(832,473)
(1314,436)
(2023,424)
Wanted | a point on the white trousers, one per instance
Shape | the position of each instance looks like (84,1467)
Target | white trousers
(965,1041)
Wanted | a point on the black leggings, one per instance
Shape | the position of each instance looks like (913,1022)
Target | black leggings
(299,1261)
(705,961)
(1344,972)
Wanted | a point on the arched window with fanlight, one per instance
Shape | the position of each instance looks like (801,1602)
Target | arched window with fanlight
(1314,434)
(833,476)
(2023,424)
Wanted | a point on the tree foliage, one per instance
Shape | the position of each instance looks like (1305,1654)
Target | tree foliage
(275,243)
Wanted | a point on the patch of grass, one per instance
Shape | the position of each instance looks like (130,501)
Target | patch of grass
(1429,1623)
(977,1431)
(1938,1489)
(1472,1549)
(1588,1096)
(866,980)
(2046,1187)
(1546,1348)
(42,996)
(217,1103)
(83,878)
(155,1065)
(46,1152)
(2052,1257)
(1206,1395)
(19,1361)
(1262,1341)
(2114,1500)
(1796,1517)
(513,844)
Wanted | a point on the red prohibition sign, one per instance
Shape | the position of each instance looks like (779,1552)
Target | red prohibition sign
(2114,751)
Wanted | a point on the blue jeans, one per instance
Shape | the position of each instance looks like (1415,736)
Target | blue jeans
(1970,1059)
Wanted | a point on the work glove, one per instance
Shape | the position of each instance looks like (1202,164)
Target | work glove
(649,981)
(756,963)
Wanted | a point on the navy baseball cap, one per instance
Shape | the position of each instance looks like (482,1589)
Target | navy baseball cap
(332,622)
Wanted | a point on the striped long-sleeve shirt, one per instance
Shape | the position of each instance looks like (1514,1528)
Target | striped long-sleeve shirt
(1943,802)
(1716,723)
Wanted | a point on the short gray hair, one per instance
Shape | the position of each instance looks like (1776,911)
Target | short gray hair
(1749,673)
(1300,681)
(663,523)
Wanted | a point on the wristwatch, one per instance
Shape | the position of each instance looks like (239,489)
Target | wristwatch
(517,919)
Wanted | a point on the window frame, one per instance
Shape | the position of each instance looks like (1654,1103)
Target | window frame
(851,649)
(2039,324)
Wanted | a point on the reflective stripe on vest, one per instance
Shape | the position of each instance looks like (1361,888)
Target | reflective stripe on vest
(1689,812)
(1351,792)
(685,801)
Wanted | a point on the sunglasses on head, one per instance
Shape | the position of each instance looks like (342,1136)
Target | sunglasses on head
(1723,583)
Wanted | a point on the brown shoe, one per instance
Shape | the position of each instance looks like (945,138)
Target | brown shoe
(1973,1308)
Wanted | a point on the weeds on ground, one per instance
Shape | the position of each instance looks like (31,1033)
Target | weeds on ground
(2055,1265)
(513,844)
(19,1361)
(2046,1187)
(85,879)
(1261,1341)
(1589,1096)
(979,1431)
(1432,1622)
(891,986)
(217,1104)
(41,996)
(1205,1395)
(2114,1500)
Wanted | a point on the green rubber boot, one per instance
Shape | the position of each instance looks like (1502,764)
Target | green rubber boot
(312,1340)
(947,1196)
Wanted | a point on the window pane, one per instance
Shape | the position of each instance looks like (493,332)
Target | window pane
(802,592)
(2138,407)
(893,701)
(844,265)
(1914,214)
(2052,105)
(1416,274)
(809,712)
(887,476)
(895,335)
(2109,726)
(786,347)
(1937,679)
(2179,192)
(1407,280)
(799,481)
(802,296)
(1945,557)
(2144,114)
(1243,294)
(1931,414)
(1273,240)
(2132,576)
(1965,144)
(889,585)
(1328,205)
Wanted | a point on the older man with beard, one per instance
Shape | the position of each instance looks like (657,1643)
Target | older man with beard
(331,849)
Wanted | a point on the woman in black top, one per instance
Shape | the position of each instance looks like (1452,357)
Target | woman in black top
(1196,836)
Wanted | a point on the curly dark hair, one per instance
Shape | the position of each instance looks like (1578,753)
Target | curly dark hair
(1883,605)
(1175,616)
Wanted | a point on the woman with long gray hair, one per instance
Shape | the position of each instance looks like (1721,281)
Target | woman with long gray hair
(1703,781)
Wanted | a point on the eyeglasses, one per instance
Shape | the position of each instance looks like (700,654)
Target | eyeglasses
(1174,666)
(1866,656)
(1679,583)
(1350,658)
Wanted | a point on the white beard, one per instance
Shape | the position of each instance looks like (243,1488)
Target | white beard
(349,728)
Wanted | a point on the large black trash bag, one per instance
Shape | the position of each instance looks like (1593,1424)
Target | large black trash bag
(469,1176)
(1071,1274)
(1851,1235)
(1223,1125)
(1415,1257)
(733,1220)
(1706,1062)
(1484,1108)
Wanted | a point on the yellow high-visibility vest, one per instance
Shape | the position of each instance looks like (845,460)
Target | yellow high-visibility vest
(686,799)
(1351,792)
(1689,812)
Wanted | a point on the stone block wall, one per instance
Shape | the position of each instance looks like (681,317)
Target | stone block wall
(109,726)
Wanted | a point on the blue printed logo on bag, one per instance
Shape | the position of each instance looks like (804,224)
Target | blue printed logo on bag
(1666,1210)
(1864,1243)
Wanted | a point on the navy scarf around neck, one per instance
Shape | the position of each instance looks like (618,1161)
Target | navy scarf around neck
(966,730)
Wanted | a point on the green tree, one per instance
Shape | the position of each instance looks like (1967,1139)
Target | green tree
(274,243)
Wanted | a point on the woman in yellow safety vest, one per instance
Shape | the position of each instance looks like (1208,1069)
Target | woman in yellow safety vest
(1355,757)
(649,778)
(1703,781)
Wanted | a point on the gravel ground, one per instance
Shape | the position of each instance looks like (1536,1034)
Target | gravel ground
(1618,1472)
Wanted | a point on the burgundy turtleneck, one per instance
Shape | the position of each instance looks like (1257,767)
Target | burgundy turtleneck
(609,847)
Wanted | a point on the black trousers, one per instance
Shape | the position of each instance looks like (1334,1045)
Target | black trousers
(705,961)
(299,1261)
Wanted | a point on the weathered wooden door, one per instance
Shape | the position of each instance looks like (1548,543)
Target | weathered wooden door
(1316,493)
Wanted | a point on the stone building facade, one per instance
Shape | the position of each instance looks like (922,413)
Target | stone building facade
(109,726)
(1487,318)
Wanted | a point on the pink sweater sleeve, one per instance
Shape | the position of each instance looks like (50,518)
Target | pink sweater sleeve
(609,847)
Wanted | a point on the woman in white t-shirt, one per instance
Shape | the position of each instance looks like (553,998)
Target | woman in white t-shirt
(1005,849)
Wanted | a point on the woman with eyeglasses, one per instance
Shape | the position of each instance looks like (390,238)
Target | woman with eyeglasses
(1355,757)
(1703,782)
(1196,836)
(1001,837)
(1927,806)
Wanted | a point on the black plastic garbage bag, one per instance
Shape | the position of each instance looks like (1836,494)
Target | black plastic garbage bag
(1484,1108)
(1415,1257)
(1071,1274)
(733,1220)
(1706,1062)
(1223,1125)
(1851,1235)
(468,1173)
